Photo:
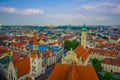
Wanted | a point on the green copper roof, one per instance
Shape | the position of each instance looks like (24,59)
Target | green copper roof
(10,56)
(45,59)
(84,28)
(16,70)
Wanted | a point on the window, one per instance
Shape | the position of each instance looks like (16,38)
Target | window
(9,76)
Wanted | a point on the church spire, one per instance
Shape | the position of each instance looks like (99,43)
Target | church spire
(35,42)
(35,39)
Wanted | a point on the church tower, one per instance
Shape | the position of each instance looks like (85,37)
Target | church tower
(83,36)
(35,43)
(35,59)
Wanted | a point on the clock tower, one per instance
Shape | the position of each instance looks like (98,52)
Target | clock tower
(35,59)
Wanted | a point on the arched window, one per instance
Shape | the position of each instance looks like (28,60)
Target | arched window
(80,59)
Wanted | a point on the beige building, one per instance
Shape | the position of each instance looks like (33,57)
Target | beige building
(79,56)
(102,54)
(111,65)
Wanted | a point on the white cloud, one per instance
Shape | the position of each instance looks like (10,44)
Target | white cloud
(68,16)
(99,7)
(28,11)
(116,9)
(101,18)
(7,9)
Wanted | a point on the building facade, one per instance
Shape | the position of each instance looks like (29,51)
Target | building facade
(111,65)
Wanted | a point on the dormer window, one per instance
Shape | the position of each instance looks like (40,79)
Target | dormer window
(80,59)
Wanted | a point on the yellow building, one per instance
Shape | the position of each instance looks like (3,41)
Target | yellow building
(79,56)
(70,58)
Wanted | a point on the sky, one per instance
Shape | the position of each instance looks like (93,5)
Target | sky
(60,12)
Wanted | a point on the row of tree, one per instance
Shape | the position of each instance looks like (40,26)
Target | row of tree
(98,68)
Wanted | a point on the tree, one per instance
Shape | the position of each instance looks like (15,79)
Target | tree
(70,44)
(108,76)
(101,77)
(97,65)
(74,44)
(104,37)
(67,44)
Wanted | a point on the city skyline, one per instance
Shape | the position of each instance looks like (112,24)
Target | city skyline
(60,12)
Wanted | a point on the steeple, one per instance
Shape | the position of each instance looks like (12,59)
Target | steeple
(35,42)
(35,39)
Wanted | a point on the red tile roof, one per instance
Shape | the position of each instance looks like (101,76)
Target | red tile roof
(110,45)
(80,51)
(29,78)
(18,44)
(47,53)
(10,38)
(100,41)
(42,37)
(35,39)
(16,56)
(23,66)
(3,49)
(2,38)
(110,61)
(115,37)
(103,52)
(73,72)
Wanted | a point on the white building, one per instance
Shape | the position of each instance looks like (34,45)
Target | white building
(49,58)
(111,65)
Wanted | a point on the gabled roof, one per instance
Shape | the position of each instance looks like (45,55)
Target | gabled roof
(23,66)
(81,52)
(115,62)
(100,41)
(47,53)
(3,49)
(73,72)
(42,37)
(115,37)
(103,52)
(18,44)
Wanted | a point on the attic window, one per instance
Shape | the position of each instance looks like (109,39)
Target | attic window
(80,59)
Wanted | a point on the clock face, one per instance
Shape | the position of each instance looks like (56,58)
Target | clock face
(35,47)
(33,60)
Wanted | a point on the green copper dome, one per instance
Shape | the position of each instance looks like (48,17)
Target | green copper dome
(84,28)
